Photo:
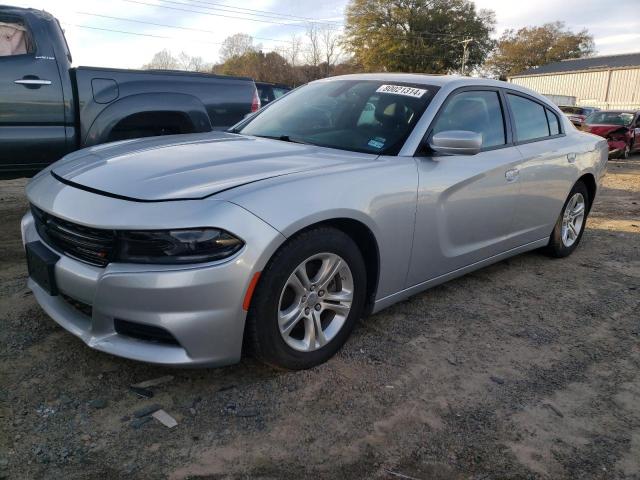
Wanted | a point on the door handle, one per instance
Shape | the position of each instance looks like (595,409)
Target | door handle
(32,82)
(571,157)
(512,174)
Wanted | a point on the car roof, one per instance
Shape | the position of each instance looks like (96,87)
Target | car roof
(419,78)
(450,81)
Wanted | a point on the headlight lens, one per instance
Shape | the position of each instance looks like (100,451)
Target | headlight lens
(177,246)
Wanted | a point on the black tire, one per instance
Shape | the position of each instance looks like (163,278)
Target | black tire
(262,334)
(626,153)
(556,247)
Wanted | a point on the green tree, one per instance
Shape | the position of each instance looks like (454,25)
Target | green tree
(417,35)
(269,67)
(528,47)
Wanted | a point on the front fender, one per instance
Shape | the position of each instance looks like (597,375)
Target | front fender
(188,105)
(380,195)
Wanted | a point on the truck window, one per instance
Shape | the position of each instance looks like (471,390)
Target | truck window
(15,38)
(278,92)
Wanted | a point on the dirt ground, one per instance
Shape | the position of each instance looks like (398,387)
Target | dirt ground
(527,369)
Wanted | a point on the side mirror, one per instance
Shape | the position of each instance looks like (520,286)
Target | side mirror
(456,142)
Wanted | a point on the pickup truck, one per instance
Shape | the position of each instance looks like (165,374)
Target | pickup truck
(48,108)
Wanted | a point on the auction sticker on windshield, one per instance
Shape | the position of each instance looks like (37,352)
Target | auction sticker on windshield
(402,90)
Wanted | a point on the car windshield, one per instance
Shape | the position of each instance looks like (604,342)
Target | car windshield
(357,115)
(610,118)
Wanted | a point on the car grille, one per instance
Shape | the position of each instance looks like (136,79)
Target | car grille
(90,245)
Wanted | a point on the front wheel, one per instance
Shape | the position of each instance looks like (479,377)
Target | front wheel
(569,228)
(308,300)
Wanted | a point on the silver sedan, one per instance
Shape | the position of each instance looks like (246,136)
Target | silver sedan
(337,200)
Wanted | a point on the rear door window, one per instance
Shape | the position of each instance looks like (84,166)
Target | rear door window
(529,118)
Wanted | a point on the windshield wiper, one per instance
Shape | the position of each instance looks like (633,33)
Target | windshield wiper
(285,138)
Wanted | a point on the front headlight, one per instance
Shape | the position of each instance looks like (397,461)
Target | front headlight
(176,246)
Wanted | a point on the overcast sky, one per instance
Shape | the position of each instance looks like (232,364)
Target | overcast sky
(616,29)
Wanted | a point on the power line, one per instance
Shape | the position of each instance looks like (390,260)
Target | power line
(115,31)
(273,14)
(124,32)
(211,14)
(164,37)
(270,15)
(298,25)
(423,34)
(132,33)
(171,26)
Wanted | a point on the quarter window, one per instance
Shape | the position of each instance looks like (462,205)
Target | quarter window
(554,126)
(475,111)
(529,117)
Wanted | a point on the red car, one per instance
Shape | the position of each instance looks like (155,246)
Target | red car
(620,128)
(577,115)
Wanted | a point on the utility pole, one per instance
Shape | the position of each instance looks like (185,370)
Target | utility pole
(465,53)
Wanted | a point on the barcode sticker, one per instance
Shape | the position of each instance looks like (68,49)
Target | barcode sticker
(402,90)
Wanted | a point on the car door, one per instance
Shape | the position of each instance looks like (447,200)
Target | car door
(547,170)
(32,132)
(465,203)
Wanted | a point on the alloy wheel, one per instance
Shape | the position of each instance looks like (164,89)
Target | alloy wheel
(315,302)
(572,219)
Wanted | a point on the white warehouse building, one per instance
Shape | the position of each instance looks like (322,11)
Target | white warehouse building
(607,82)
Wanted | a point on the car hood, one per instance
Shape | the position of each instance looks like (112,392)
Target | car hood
(187,167)
(602,130)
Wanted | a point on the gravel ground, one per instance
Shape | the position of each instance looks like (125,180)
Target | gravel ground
(527,369)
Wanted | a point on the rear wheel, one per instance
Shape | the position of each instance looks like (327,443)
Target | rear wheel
(569,228)
(308,300)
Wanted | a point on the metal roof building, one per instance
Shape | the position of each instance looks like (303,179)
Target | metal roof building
(611,82)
